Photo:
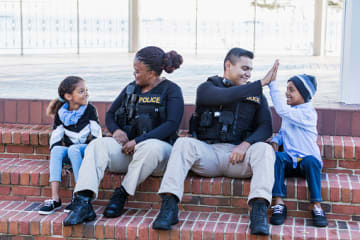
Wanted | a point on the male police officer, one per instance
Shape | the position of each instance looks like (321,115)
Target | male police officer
(231,122)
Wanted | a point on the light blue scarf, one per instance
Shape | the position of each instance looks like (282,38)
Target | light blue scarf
(70,117)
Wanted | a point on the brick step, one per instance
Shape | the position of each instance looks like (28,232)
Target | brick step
(340,153)
(18,218)
(27,179)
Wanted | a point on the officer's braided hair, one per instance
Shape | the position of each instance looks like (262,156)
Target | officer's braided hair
(157,60)
(67,85)
(235,53)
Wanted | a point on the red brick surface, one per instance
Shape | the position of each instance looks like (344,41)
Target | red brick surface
(28,179)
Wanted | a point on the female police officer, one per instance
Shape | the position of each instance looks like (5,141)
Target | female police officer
(143,121)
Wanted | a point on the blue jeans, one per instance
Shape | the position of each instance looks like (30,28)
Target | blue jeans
(59,154)
(309,167)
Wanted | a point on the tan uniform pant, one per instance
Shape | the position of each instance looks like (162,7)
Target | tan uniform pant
(212,160)
(150,157)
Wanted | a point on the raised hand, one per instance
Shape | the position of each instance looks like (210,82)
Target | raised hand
(271,75)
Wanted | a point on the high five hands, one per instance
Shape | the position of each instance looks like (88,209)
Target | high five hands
(271,75)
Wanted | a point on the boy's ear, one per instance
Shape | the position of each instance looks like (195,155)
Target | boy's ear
(67,97)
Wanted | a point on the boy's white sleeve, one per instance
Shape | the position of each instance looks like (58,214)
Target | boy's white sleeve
(278,139)
(295,116)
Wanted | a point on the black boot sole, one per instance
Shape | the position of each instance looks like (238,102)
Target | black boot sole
(88,219)
(259,232)
(111,215)
(166,227)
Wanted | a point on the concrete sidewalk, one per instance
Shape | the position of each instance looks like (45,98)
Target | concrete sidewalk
(106,74)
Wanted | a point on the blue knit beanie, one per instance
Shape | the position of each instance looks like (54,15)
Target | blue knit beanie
(306,85)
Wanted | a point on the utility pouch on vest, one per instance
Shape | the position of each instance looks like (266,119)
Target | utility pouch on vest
(226,119)
(130,131)
(144,123)
(206,119)
(132,106)
(120,116)
(193,124)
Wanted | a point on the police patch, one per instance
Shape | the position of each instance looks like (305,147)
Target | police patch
(253,99)
(152,99)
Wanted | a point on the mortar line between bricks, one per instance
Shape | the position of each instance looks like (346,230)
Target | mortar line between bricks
(132,218)
(332,147)
(185,219)
(270,230)
(9,220)
(202,229)
(96,222)
(31,220)
(322,145)
(25,218)
(52,224)
(9,202)
(236,229)
(226,228)
(192,228)
(327,233)
(119,220)
(296,186)
(150,226)
(282,231)
(221,186)
(247,231)
(347,229)
(232,187)
(293,229)
(138,226)
(343,147)
(216,224)
(339,185)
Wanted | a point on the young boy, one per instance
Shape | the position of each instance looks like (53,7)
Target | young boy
(301,156)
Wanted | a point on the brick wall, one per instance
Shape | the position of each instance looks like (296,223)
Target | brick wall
(333,122)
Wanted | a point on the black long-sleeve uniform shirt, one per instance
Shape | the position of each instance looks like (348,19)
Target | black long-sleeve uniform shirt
(174,113)
(255,118)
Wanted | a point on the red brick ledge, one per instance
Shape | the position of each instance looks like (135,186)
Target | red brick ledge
(338,121)
(34,139)
(23,179)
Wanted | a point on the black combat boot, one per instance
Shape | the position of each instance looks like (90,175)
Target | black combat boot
(258,217)
(168,213)
(82,211)
(116,204)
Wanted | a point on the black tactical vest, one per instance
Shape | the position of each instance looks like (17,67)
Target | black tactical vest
(224,123)
(139,112)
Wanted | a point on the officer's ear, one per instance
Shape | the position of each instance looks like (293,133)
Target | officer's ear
(227,65)
(153,73)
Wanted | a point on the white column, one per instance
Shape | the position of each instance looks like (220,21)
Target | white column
(320,27)
(133,25)
(350,56)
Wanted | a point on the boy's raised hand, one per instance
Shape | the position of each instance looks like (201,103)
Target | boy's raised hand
(276,65)
(271,75)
